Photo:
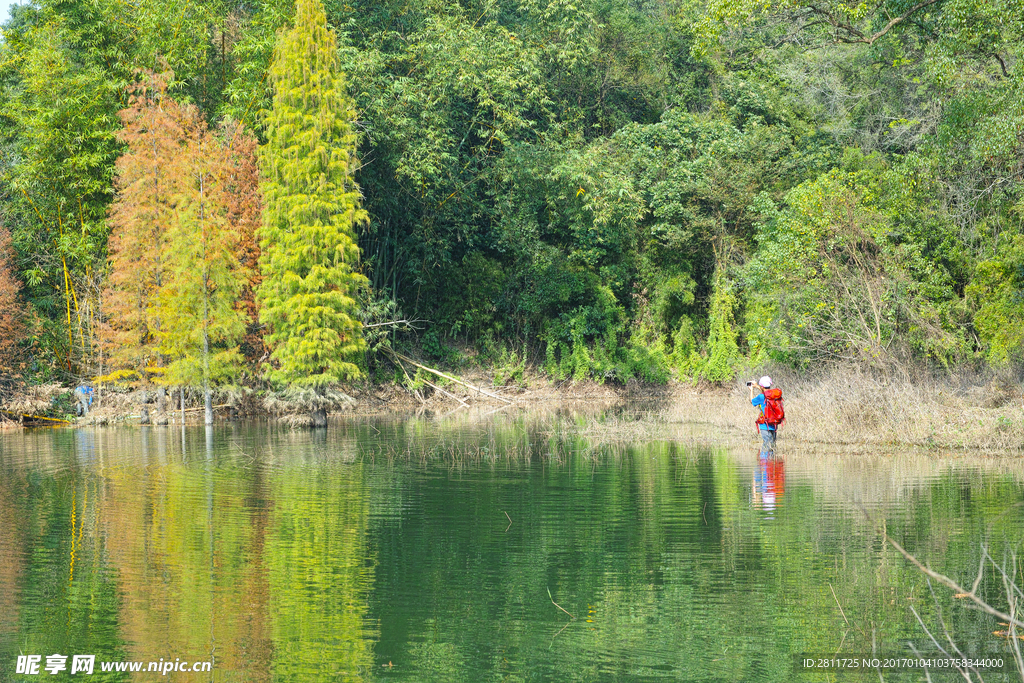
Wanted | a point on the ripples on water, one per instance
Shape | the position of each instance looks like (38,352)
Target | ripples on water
(420,550)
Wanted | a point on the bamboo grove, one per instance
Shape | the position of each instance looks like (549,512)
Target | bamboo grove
(197,194)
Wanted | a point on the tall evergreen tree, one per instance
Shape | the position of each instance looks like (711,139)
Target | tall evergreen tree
(312,205)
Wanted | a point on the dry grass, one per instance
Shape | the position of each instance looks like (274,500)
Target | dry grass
(32,400)
(850,406)
(847,407)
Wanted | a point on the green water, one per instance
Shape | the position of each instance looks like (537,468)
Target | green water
(434,550)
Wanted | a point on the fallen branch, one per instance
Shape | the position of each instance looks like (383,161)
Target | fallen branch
(410,383)
(390,323)
(446,393)
(410,361)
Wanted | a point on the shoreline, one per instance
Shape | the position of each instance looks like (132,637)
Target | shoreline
(838,409)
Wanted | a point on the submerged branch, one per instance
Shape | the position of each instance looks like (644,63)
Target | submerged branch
(559,606)
(948,582)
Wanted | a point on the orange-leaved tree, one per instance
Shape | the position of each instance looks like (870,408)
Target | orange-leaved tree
(140,217)
(244,205)
(200,324)
(175,271)
(12,317)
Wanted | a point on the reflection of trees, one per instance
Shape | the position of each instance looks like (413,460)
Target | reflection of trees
(284,556)
(209,563)
(181,537)
(226,559)
(13,546)
(257,640)
(659,552)
(602,536)
(320,573)
(56,594)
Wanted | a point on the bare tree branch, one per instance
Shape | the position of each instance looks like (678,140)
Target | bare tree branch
(935,641)
(392,323)
(950,583)
(859,37)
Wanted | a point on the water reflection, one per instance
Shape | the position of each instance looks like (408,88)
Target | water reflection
(422,551)
(769,481)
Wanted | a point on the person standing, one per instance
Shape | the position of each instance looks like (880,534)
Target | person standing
(83,399)
(769,404)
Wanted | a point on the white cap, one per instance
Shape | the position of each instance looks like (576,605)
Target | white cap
(765,382)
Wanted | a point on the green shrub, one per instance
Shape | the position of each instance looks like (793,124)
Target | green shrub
(723,349)
(432,345)
(511,369)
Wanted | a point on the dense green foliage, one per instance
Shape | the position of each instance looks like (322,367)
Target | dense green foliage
(626,188)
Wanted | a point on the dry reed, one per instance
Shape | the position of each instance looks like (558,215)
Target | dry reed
(850,406)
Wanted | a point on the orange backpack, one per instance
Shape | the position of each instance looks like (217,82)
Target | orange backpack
(773,414)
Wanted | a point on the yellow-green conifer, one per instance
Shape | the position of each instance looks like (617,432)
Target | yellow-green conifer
(312,204)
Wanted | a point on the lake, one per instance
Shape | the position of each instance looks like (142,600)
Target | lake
(561,546)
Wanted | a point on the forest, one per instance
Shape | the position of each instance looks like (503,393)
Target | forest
(218,192)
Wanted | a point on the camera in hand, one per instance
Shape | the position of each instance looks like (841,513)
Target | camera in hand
(750,383)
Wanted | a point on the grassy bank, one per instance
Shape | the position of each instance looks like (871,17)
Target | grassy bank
(965,410)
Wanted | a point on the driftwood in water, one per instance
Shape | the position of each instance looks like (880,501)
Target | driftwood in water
(452,379)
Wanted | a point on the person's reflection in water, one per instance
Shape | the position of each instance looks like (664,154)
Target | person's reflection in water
(85,445)
(769,481)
